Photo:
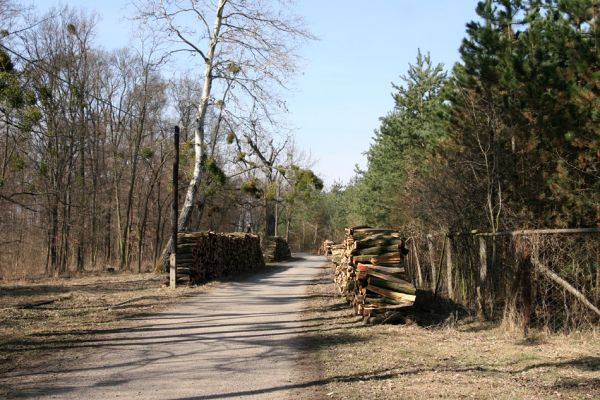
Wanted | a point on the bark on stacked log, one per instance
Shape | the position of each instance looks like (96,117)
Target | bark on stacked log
(204,256)
(276,248)
(326,247)
(370,273)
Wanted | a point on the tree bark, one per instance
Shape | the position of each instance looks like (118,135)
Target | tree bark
(481,292)
(192,191)
(432,261)
(449,269)
(269,218)
(418,265)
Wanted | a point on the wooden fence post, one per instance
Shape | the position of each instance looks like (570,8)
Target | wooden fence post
(449,268)
(175,210)
(523,249)
(432,261)
(481,283)
(418,264)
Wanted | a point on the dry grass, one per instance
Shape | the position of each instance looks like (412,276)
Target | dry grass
(467,359)
(463,360)
(58,310)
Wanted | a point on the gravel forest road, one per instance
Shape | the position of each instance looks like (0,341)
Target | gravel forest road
(239,340)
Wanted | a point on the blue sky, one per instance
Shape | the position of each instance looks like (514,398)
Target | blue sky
(345,84)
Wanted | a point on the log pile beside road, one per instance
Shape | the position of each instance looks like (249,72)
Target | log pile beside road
(370,273)
(276,248)
(325,248)
(205,256)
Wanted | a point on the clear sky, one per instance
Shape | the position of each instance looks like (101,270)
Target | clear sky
(345,84)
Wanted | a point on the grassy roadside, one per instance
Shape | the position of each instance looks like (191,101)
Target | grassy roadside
(466,360)
(55,310)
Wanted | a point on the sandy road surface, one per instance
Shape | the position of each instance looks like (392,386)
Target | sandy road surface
(239,340)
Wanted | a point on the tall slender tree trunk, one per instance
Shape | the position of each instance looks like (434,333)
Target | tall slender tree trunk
(107,233)
(287,228)
(65,230)
(277,211)
(94,222)
(269,218)
(192,191)
(144,220)
(125,246)
(53,234)
(82,214)
(186,209)
(158,227)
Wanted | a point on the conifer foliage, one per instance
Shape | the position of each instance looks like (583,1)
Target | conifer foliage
(508,139)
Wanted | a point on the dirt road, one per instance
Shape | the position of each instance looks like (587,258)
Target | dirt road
(239,340)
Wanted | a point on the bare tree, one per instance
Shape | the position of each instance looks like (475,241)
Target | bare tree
(247,49)
(264,154)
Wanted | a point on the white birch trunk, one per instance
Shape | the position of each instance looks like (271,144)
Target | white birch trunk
(190,197)
(192,192)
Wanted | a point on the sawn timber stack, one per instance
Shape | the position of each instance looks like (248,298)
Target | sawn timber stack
(205,256)
(370,272)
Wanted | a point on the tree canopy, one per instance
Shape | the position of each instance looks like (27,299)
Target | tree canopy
(508,139)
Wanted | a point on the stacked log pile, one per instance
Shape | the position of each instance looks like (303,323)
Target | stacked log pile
(326,247)
(205,256)
(370,273)
(276,248)
(337,253)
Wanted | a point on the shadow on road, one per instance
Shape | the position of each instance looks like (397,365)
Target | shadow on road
(223,331)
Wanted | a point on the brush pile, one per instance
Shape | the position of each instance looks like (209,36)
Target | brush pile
(370,273)
(205,256)
(276,248)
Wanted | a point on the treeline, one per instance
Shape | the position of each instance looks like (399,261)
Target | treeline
(508,139)
(86,142)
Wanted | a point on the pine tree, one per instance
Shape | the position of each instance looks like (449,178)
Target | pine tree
(400,145)
(524,112)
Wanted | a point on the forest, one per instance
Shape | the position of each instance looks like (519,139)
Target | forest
(507,138)
(87,135)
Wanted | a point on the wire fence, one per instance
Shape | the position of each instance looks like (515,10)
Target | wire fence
(548,279)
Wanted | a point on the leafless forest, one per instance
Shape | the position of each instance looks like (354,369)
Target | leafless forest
(86,134)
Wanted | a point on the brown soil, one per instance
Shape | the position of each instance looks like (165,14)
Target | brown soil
(238,339)
(342,358)
(53,310)
(464,359)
